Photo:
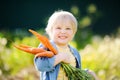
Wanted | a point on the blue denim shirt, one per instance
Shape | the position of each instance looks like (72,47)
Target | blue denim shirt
(46,65)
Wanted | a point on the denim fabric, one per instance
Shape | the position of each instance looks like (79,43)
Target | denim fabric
(46,65)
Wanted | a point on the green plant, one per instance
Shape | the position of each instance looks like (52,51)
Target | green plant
(102,56)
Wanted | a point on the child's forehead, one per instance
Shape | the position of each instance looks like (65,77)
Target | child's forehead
(66,22)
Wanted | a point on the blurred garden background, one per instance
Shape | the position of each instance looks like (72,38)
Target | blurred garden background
(97,38)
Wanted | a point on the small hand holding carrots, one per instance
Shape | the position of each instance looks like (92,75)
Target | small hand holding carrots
(39,52)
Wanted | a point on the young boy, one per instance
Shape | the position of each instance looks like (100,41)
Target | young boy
(61,28)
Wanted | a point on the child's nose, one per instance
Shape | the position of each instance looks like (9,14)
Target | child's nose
(62,31)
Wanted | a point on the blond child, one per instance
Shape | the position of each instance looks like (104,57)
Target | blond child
(61,28)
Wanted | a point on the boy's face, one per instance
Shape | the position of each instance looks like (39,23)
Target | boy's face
(62,32)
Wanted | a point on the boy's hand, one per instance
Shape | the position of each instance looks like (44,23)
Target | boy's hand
(61,57)
(66,58)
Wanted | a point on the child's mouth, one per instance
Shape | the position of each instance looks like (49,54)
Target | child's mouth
(62,37)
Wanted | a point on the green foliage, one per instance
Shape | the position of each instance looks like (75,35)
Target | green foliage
(76,73)
(102,56)
(13,60)
(82,38)
(3,52)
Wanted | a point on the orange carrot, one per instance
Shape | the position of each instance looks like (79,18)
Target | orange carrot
(48,54)
(39,52)
(44,40)
(29,49)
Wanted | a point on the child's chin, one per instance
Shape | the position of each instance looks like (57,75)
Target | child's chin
(62,42)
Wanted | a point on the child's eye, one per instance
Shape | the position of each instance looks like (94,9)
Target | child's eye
(58,28)
(68,28)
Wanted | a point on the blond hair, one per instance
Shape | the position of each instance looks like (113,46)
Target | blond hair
(57,15)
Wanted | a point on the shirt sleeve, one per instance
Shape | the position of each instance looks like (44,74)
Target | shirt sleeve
(44,63)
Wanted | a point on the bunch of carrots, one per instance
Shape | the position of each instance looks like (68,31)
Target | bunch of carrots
(71,72)
(39,52)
